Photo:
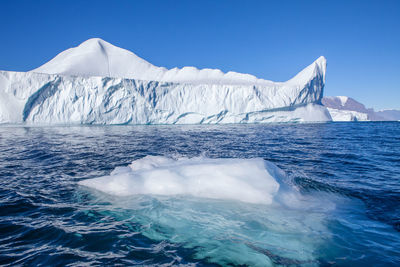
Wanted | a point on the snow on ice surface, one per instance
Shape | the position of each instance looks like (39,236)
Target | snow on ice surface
(96,57)
(98,83)
(343,99)
(247,180)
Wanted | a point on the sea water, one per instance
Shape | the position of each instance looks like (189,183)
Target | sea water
(255,195)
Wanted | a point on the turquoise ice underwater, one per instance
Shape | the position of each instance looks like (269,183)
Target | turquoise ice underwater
(283,227)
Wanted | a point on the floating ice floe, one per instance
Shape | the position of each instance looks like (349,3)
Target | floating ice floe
(247,180)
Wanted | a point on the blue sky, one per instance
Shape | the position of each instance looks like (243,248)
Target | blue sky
(270,39)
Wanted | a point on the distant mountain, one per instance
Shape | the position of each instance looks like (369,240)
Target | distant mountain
(344,108)
(390,114)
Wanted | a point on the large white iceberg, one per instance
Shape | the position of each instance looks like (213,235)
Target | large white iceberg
(98,83)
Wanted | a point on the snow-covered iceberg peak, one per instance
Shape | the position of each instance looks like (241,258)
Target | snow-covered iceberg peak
(317,68)
(99,83)
(96,57)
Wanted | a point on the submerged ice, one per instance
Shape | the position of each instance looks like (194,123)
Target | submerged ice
(235,212)
(98,83)
(240,211)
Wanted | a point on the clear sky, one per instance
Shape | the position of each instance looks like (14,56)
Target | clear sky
(270,39)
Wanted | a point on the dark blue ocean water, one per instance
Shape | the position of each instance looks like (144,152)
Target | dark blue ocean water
(348,172)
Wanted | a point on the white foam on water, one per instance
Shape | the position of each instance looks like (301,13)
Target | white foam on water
(247,180)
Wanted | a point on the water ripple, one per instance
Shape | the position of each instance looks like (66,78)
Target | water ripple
(47,219)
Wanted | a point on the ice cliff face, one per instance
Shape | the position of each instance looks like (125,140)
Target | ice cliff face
(98,83)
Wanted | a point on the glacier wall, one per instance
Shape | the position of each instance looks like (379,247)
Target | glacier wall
(28,97)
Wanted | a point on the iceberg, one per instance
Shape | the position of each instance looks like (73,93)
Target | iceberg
(246,180)
(347,115)
(98,83)
(226,210)
(344,108)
